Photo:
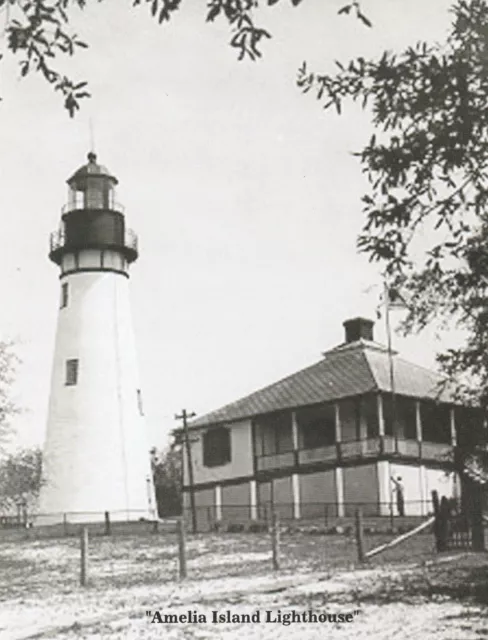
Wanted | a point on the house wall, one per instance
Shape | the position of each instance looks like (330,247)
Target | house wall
(283,497)
(419,482)
(241,463)
(361,488)
(236,502)
(347,418)
(205,508)
(318,494)
(416,497)
(438,480)
(263,491)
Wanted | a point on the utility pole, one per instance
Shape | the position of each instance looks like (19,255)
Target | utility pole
(184,416)
(392,365)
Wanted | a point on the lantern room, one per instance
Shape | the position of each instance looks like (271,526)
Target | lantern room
(91,187)
(92,220)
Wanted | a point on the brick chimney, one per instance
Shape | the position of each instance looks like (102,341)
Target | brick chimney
(357,328)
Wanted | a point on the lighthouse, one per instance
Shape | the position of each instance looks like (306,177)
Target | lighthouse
(96,457)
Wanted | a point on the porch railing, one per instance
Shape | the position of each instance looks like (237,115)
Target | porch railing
(366,448)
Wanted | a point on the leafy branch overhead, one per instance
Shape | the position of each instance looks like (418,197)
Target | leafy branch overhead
(426,164)
(38,31)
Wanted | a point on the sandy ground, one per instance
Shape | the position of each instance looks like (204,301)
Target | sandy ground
(445,598)
(402,602)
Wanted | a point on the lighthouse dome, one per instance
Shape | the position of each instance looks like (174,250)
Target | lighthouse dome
(91,168)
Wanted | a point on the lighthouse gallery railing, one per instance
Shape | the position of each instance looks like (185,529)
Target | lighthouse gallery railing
(57,240)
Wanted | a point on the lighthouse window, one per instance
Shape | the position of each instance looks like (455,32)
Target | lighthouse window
(71,372)
(64,295)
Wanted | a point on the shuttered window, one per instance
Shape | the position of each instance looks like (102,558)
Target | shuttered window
(216,447)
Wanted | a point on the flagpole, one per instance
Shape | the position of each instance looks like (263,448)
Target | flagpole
(391,363)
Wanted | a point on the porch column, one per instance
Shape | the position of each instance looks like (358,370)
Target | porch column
(418,421)
(338,431)
(339,476)
(418,427)
(425,506)
(452,422)
(294,436)
(218,502)
(381,418)
(339,483)
(384,487)
(253,499)
(381,422)
(295,490)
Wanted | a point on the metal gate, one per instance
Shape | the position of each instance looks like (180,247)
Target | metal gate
(458,525)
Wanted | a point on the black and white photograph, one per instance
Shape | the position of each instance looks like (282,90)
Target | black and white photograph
(243,319)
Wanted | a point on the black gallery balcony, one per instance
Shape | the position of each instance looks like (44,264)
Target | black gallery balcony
(125,241)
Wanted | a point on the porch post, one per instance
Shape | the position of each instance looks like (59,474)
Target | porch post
(339,483)
(295,489)
(381,418)
(384,489)
(424,496)
(338,430)
(218,502)
(381,422)
(253,501)
(338,474)
(294,436)
(418,427)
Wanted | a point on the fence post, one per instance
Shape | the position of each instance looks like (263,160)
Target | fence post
(359,534)
(107,523)
(65,525)
(435,502)
(84,556)
(326,515)
(181,548)
(477,526)
(275,540)
(438,524)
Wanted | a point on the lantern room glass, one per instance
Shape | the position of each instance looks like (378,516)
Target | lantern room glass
(94,192)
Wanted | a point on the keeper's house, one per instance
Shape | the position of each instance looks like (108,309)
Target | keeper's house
(324,440)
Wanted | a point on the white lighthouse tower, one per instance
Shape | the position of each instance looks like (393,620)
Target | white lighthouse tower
(96,458)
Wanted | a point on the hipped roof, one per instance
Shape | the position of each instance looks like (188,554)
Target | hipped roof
(350,369)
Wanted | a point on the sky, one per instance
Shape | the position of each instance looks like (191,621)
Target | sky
(244,193)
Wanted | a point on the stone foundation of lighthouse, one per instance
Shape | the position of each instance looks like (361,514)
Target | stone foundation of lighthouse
(96,455)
